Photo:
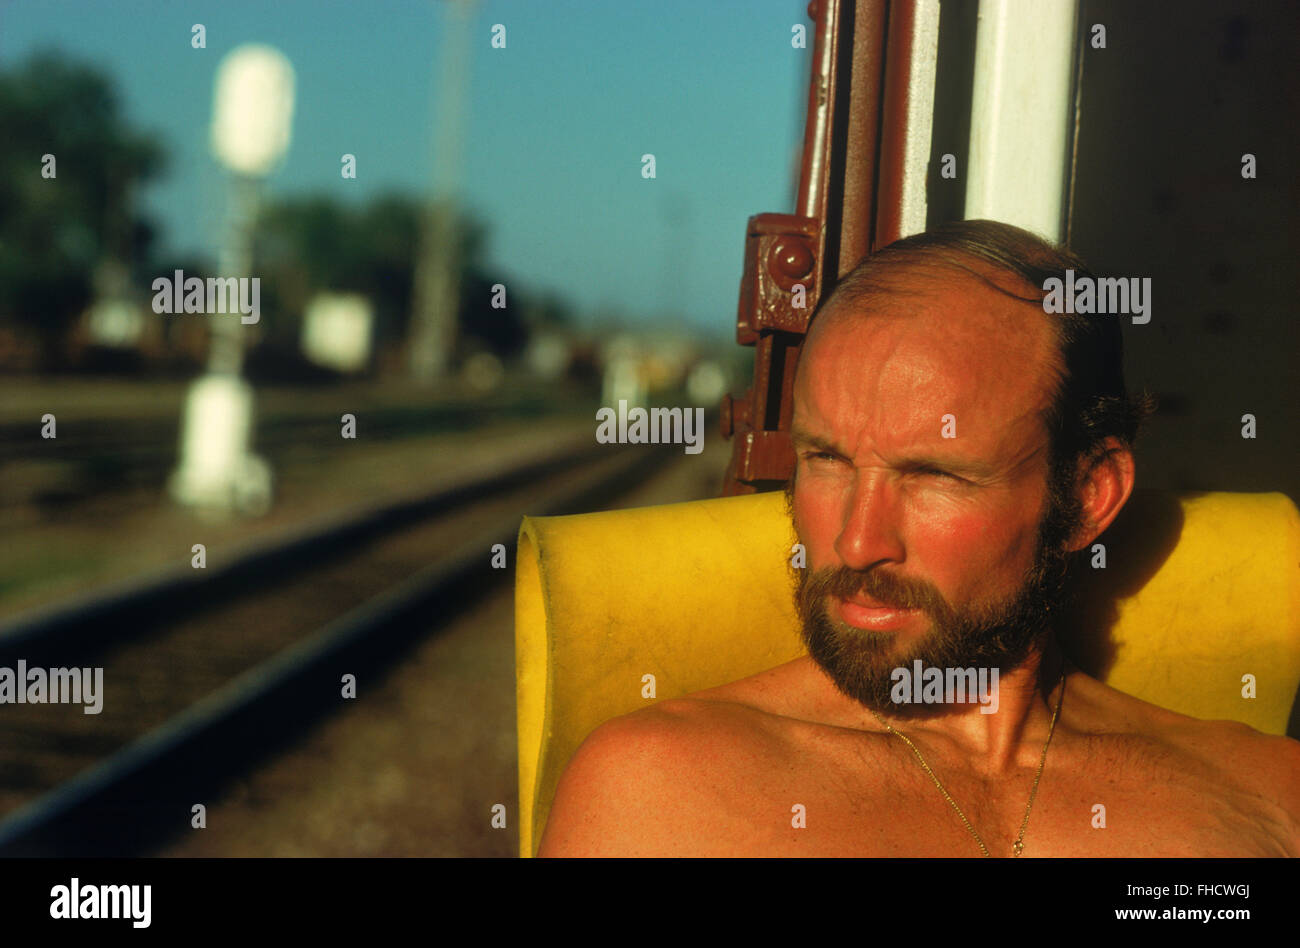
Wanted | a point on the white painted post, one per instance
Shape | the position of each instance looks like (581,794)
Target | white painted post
(923,62)
(251,127)
(1021,110)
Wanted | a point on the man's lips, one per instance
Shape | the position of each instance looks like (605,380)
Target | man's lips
(864,612)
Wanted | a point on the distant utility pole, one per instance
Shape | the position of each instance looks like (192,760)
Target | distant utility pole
(436,293)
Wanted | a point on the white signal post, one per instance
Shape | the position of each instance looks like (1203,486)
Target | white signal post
(251,129)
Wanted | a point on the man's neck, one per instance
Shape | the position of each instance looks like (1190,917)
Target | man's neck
(1026,699)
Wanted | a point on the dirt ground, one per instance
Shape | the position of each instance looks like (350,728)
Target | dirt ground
(117,537)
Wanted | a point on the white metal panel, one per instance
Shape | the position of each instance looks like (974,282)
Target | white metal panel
(1020,113)
(920,115)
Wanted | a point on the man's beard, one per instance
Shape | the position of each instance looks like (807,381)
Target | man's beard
(1000,634)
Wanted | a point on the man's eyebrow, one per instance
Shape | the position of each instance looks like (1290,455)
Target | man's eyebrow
(966,467)
(963,467)
(807,439)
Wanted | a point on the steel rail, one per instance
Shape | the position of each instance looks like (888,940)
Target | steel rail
(105,617)
(143,791)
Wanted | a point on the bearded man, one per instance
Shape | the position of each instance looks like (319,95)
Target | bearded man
(955,444)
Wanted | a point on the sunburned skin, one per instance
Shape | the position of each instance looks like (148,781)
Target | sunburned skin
(718,773)
(785,764)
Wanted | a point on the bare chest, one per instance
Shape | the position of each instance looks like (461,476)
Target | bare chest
(1093,800)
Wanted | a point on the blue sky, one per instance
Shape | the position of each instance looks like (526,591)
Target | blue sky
(556,123)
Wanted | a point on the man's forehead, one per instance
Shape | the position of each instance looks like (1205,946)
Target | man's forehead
(979,300)
(905,359)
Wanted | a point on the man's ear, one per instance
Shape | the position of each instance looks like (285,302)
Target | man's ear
(1103,485)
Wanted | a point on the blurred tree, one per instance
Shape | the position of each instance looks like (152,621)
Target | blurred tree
(307,245)
(551,311)
(55,230)
(313,244)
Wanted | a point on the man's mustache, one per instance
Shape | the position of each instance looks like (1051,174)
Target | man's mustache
(890,590)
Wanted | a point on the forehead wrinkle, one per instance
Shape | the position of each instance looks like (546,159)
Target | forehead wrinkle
(932,360)
(843,395)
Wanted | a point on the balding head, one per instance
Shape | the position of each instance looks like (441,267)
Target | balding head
(937,341)
(1089,401)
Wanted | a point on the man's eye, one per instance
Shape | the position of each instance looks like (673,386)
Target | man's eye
(936,472)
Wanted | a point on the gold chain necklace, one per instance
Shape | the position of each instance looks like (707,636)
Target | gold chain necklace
(1019,844)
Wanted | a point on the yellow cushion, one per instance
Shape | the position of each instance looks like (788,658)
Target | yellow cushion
(1198,590)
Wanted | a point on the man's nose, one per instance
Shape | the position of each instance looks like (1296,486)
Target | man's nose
(871,533)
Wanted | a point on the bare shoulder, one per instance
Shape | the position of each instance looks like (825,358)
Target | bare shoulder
(1266,763)
(1257,773)
(651,783)
(1228,743)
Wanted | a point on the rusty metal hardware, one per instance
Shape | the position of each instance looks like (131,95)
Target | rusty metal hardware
(793,259)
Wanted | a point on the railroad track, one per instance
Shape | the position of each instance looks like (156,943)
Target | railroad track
(207,672)
(97,455)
